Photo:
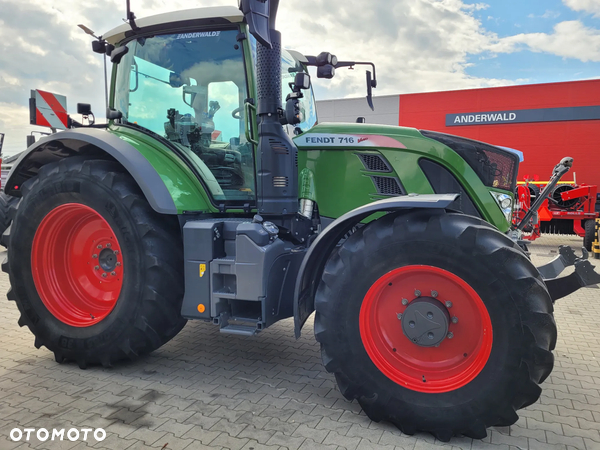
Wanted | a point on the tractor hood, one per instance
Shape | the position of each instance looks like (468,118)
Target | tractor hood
(496,167)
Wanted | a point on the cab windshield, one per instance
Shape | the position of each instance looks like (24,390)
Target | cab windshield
(190,88)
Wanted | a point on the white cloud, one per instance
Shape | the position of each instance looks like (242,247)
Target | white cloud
(417,45)
(588,6)
(570,39)
(547,15)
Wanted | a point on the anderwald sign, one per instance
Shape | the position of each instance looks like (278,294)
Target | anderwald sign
(524,116)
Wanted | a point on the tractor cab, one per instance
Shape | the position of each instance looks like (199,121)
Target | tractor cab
(194,86)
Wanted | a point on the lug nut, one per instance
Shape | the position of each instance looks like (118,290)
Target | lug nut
(417,293)
(448,304)
(97,268)
(94,256)
(108,245)
(399,315)
(404,301)
(430,335)
(116,252)
(104,275)
(411,324)
(430,315)
(450,335)
(99,246)
(113,273)
(118,264)
(434,294)
(455,319)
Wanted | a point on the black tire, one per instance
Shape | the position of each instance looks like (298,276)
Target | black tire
(7,204)
(590,234)
(534,192)
(147,311)
(517,301)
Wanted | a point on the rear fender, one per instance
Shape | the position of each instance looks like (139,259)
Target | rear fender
(93,143)
(317,255)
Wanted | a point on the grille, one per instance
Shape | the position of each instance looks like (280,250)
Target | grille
(279,147)
(495,167)
(268,74)
(280,182)
(374,163)
(388,186)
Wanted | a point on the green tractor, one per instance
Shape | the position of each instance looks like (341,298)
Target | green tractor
(214,194)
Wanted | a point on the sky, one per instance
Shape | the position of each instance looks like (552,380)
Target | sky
(417,46)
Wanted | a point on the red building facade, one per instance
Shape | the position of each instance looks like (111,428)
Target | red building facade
(544,121)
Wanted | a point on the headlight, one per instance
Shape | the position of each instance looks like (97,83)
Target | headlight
(505,202)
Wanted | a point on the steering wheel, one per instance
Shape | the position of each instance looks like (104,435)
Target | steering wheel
(236,113)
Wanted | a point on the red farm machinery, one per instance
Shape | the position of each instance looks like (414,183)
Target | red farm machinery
(568,208)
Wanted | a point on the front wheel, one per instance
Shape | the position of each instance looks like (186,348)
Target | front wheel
(95,272)
(435,322)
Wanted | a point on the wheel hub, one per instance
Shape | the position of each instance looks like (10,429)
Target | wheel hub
(425,322)
(107,259)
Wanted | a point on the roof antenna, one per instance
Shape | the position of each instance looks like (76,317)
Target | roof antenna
(131,18)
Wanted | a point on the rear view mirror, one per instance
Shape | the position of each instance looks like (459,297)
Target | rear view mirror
(30,140)
(370,90)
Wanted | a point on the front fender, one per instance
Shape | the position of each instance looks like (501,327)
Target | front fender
(94,143)
(317,255)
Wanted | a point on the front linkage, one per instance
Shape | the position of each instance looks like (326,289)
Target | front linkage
(584,274)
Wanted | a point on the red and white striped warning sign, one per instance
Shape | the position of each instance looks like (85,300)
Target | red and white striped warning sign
(48,110)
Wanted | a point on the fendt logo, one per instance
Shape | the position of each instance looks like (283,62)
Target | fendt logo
(72,434)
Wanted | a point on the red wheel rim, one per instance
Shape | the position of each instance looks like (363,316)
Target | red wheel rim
(76,263)
(449,366)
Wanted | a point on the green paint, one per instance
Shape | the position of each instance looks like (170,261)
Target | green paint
(342,182)
(185,189)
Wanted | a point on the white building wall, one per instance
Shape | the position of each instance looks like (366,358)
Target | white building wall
(387,110)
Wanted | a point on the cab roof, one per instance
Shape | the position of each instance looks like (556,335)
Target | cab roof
(181,19)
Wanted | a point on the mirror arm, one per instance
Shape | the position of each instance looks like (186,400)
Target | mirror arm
(360,63)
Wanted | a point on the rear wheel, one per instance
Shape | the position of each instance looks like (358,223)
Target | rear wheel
(95,272)
(436,322)
(590,234)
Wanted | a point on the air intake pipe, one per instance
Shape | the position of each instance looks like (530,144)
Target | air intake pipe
(277,172)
